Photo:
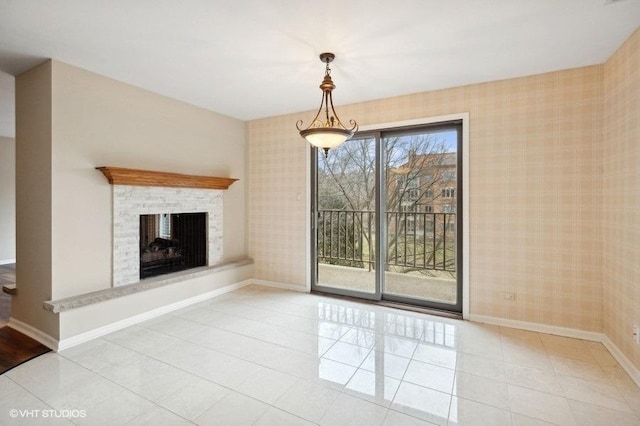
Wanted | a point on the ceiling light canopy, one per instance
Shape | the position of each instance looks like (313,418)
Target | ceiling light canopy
(326,131)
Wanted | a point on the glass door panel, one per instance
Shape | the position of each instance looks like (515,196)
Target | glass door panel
(386,221)
(421,185)
(346,218)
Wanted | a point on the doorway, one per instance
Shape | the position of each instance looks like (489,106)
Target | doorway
(387,216)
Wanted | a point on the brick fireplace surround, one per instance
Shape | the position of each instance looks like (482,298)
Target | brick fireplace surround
(140,192)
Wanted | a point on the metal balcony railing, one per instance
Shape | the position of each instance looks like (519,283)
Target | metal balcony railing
(415,241)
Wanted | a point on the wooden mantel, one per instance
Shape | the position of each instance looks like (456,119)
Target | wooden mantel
(122,176)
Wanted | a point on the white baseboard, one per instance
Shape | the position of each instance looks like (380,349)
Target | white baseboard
(136,319)
(7,261)
(34,333)
(540,328)
(283,286)
(59,345)
(622,359)
(624,362)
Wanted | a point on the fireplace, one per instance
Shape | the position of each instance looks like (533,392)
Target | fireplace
(131,202)
(172,242)
(143,192)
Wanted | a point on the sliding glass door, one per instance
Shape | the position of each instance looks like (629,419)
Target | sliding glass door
(346,218)
(421,207)
(386,222)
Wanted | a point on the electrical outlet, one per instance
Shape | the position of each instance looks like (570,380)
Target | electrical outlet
(509,296)
(636,334)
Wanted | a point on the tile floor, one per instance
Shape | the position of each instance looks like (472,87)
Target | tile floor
(269,357)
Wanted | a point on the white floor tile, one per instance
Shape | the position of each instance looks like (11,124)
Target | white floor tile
(159,416)
(15,397)
(347,353)
(266,356)
(266,385)
(521,420)
(334,374)
(421,402)
(596,393)
(481,389)
(347,410)
(51,377)
(533,378)
(193,399)
(117,406)
(481,366)
(444,357)
(581,369)
(431,376)
(276,417)
(539,405)
(332,330)
(481,348)
(395,418)
(565,347)
(513,336)
(528,355)
(233,409)
(385,364)
(593,415)
(372,387)
(359,337)
(307,400)
(465,412)
(397,346)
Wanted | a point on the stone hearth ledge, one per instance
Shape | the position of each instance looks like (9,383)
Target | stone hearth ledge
(86,299)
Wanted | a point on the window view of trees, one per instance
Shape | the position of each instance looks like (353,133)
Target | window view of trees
(420,205)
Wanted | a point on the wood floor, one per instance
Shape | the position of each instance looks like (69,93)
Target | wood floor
(15,347)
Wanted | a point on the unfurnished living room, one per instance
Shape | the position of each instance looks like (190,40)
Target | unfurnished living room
(286,212)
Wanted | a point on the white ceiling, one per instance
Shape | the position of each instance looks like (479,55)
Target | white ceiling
(256,58)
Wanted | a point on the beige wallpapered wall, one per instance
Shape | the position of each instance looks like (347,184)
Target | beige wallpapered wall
(535,197)
(621,197)
(554,193)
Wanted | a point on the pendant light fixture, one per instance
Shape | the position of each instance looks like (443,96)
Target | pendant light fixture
(326,131)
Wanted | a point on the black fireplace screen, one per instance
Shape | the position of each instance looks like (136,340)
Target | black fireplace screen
(172,242)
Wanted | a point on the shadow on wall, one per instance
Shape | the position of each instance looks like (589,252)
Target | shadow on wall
(7,276)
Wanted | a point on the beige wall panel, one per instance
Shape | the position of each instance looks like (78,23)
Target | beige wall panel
(33,200)
(621,197)
(98,121)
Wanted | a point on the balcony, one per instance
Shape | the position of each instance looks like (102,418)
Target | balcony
(420,261)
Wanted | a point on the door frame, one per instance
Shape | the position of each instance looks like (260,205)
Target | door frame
(311,219)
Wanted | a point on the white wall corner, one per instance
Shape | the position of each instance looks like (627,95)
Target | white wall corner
(34,333)
(622,359)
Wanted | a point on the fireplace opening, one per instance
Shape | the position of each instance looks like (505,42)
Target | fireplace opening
(172,242)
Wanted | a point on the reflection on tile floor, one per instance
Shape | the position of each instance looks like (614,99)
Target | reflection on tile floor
(270,357)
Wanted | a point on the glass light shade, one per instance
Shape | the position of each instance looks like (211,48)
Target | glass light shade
(326,137)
